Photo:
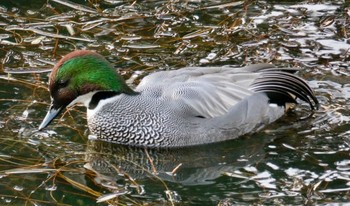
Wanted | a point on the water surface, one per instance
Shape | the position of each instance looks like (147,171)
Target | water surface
(298,160)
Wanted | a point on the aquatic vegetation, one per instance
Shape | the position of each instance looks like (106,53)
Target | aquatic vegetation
(305,162)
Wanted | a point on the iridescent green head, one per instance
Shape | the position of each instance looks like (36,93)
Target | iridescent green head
(79,73)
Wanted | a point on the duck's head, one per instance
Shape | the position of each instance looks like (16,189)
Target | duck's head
(77,74)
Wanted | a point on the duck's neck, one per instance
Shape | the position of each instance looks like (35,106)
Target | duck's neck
(98,96)
(119,86)
(113,84)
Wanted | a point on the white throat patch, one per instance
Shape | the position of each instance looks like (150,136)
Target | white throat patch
(84,99)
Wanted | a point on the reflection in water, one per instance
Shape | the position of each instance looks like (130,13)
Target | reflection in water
(191,166)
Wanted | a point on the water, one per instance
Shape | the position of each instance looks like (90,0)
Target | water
(295,161)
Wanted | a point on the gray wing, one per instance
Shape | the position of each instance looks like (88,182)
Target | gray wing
(212,91)
(207,91)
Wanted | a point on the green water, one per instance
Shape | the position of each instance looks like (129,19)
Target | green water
(292,162)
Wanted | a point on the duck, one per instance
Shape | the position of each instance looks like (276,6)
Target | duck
(174,108)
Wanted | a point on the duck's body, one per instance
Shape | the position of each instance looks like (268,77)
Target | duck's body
(189,106)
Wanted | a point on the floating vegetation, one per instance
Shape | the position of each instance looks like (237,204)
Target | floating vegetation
(295,161)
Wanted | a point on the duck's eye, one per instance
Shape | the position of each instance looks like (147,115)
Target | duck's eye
(62,83)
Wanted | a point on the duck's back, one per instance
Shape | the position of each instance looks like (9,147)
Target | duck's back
(208,91)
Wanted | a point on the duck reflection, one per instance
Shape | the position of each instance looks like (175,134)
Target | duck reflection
(187,166)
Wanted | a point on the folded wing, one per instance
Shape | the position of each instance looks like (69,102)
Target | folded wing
(211,91)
